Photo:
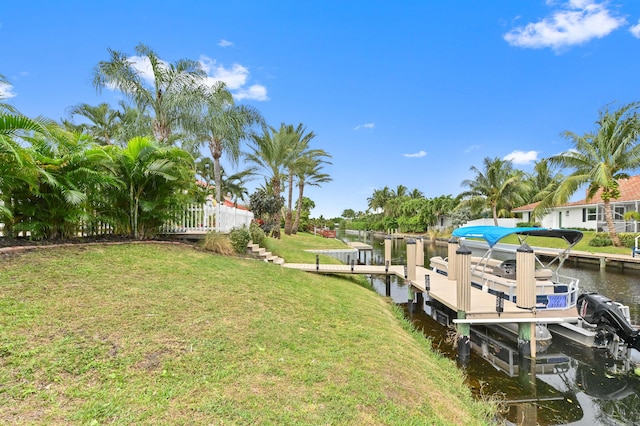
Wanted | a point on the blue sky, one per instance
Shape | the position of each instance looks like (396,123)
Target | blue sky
(409,93)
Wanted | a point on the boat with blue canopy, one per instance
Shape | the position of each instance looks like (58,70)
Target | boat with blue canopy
(495,272)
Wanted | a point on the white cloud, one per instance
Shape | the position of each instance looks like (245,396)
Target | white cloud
(578,22)
(143,66)
(255,92)
(418,154)
(6,91)
(235,78)
(472,148)
(365,126)
(225,43)
(635,30)
(521,157)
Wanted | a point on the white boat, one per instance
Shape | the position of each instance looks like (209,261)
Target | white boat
(554,290)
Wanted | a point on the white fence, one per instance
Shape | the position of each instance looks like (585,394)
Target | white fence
(203,218)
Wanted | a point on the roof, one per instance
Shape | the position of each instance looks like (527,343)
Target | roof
(493,234)
(629,191)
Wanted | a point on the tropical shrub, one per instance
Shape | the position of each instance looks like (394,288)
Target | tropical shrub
(257,233)
(628,238)
(600,239)
(240,238)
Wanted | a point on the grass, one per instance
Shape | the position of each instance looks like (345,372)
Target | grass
(165,334)
(292,247)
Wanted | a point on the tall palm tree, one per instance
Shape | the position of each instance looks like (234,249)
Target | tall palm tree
(296,159)
(499,188)
(309,172)
(601,158)
(223,126)
(270,152)
(174,95)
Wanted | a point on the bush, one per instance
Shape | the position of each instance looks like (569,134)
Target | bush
(600,239)
(257,233)
(240,238)
(628,238)
(527,224)
(218,243)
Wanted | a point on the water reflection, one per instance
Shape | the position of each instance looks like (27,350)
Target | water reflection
(566,384)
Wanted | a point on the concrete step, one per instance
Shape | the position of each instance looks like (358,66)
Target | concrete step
(262,253)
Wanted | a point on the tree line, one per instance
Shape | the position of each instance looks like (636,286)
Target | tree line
(597,160)
(127,168)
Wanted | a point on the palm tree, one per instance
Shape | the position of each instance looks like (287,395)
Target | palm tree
(401,191)
(270,152)
(499,188)
(152,179)
(416,193)
(379,199)
(233,185)
(103,121)
(309,172)
(222,128)
(544,183)
(18,169)
(6,108)
(71,170)
(299,149)
(174,96)
(599,159)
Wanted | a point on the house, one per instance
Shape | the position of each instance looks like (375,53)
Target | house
(590,214)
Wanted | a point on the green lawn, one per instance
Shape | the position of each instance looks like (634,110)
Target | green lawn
(166,334)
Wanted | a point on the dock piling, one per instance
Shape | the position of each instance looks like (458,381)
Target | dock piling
(387,249)
(463,295)
(526,297)
(419,251)
(452,246)
(411,259)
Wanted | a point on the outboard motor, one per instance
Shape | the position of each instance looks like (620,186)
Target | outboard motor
(605,314)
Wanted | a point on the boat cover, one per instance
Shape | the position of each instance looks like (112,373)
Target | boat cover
(493,234)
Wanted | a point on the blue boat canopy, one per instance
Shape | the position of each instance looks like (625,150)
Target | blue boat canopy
(493,234)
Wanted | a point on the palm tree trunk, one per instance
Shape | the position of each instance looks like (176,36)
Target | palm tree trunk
(288,215)
(215,147)
(495,214)
(296,223)
(608,215)
(275,232)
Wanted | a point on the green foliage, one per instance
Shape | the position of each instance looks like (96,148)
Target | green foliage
(266,206)
(257,233)
(218,243)
(240,238)
(628,238)
(600,239)
(527,224)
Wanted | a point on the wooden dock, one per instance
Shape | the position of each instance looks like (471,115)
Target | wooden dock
(483,304)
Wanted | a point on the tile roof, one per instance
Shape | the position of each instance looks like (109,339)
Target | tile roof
(629,191)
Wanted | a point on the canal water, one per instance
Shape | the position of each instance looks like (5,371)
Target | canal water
(567,384)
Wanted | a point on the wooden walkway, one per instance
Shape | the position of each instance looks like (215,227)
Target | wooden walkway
(483,304)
